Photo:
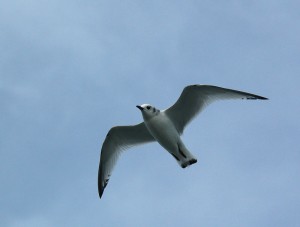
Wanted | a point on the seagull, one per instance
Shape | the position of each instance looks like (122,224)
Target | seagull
(163,126)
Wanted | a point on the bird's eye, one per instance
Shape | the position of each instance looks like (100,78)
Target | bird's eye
(148,107)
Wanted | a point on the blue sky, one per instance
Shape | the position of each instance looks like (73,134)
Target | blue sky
(70,70)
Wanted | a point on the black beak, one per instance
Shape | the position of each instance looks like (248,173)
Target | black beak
(141,108)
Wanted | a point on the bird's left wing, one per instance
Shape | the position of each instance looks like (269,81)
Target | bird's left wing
(117,140)
(195,98)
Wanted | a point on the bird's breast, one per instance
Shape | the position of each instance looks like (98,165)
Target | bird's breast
(163,130)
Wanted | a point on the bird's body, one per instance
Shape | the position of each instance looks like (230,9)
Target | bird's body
(164,132)
(164,127)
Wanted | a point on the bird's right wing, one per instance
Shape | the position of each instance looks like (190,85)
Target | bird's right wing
(117,140)
(195,98)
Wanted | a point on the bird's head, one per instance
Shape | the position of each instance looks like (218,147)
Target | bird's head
(148,111)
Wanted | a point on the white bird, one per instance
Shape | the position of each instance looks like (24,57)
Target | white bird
(164,126)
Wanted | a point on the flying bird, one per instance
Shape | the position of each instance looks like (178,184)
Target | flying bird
(163,126)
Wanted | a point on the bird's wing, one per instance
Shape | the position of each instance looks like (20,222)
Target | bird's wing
(117,140)
(195,98)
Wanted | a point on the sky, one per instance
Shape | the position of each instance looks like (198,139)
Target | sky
(71,70)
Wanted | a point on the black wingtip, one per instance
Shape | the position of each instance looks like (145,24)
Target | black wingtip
(101,190)
(254,97)
(262,98)
(101,193)
(102,187)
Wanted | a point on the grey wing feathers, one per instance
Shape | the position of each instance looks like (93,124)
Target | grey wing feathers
(118,139)
(194,98)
